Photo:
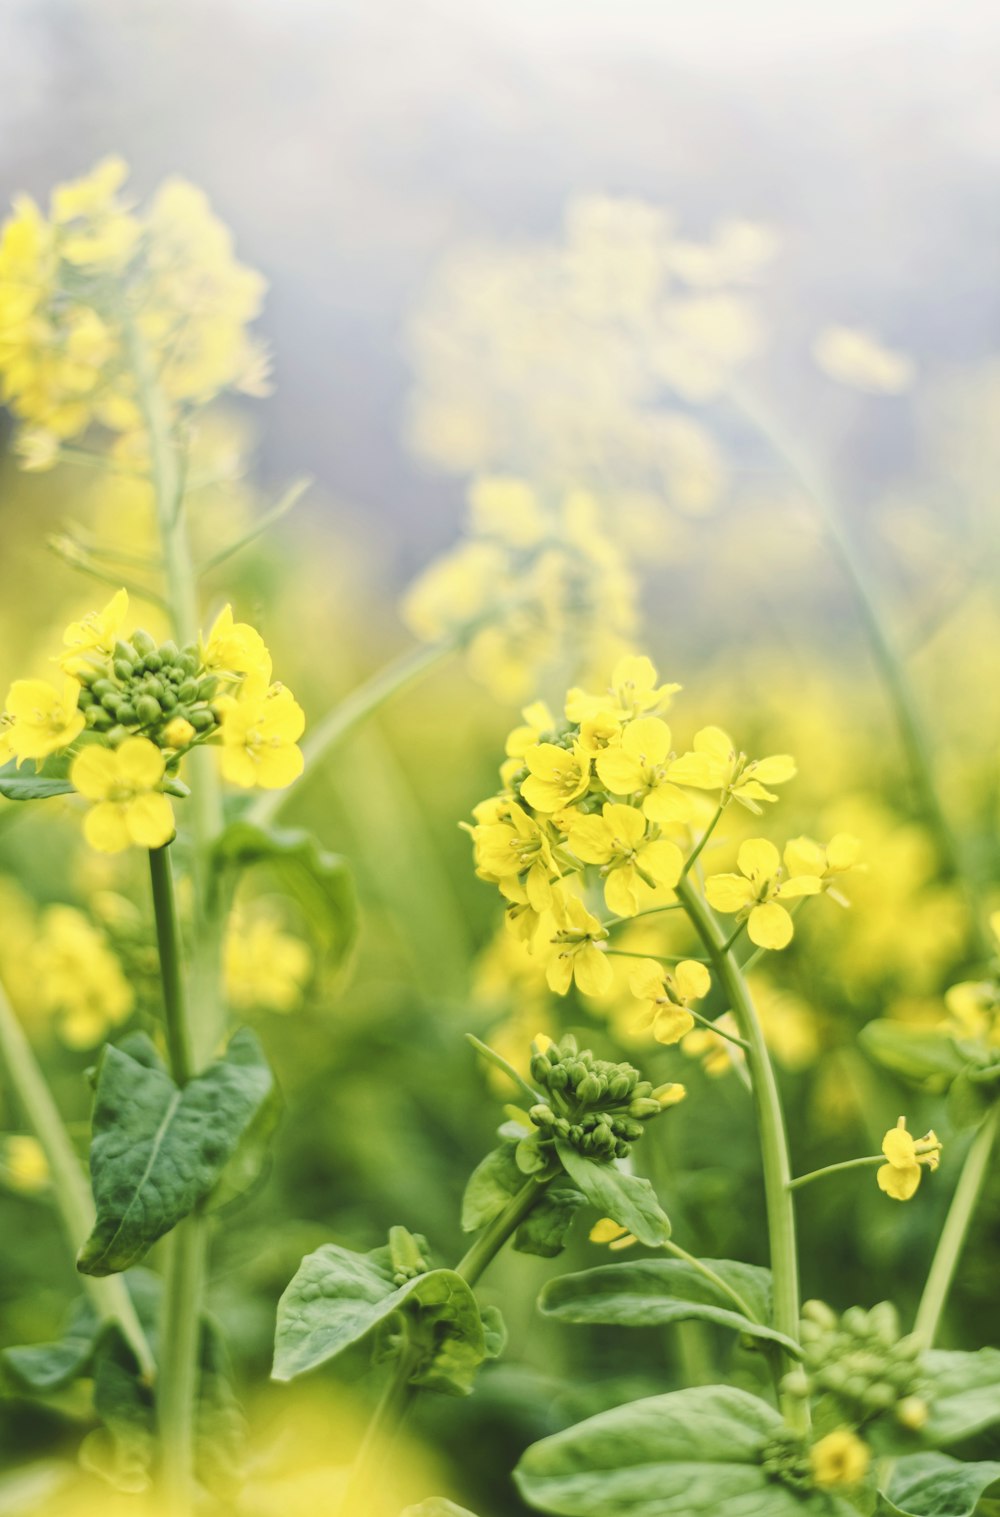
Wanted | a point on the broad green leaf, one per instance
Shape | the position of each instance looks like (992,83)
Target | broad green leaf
(494,1331)
(933,1485)
(651,1292)
(158,1150)
(121,1451)
(221,1429)
(26,784)
(320,882)
(491,1185)
(545,1228)
(437,1506)
(965,1393)
(43,1368)
(917,1054)
(338,1297)
(684,1454)
(627,1199)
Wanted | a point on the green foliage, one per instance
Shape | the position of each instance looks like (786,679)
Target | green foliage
(491,1185)
(158,1150)
(922,1057)
(35,785)
(627,1199)
(966,1393)
(546,1227)
(679,1455)
(933,1485)
(44,1368)
(652,1292)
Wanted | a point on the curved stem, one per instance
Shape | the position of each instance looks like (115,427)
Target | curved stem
(69,1186)
(771,1130)
(692,857)
(492,1239)
(953,1234)
(720,1032)
(833,1169)
(709,1274)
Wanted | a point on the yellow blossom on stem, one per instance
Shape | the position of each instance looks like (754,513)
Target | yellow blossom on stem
(633,865)
(261,727)
(840,1459)
(633,692)
(42,720)
(756,894)
(124,783)
(715,764)
(840,856)
(907,1156)
(78,979)
(265,966)
(639,766)
(556,776)
(94,634)
(515,853)
(612,1233)
(235,648)
(576,954)
(667,995)
(718,1055)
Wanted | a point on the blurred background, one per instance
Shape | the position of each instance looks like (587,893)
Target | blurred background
(706,265)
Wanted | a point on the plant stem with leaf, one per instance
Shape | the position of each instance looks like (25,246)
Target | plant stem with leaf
(956,1227)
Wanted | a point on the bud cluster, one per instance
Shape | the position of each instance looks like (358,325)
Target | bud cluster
(151,690)
(596,1106)
(861,1360)
(785,1459)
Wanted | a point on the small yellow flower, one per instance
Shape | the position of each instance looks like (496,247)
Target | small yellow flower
(537,721)
(667,996)
(78,980)
(260,732)
(577,954)
(23,1165)
(95,633)
(124,783)
(640,767)
(840,856)
(265,966)
(235,648)
(757,892)
(612,1233)
(633,692)
(907,1158)
(632,864)
(556,776)
(839,1459)
(178,732)
(43,720)
(715,764)
(514,853)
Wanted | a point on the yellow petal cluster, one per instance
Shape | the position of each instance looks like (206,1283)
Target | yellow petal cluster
(907,1158)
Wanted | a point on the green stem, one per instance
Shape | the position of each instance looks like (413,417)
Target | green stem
(169,944)
(720,1032)
(658,958)
(350,713)
(492,1239)
(771,1131)
(953,1234)
(692,858)
(834,1169)
(69,1187)
(709,1274)
(650,911)
(184,1287)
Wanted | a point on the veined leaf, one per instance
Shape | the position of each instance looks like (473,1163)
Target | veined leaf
(491,1185)
(625,1198)
(966,1393)
(27,784)
(545,1228)
(934,1485)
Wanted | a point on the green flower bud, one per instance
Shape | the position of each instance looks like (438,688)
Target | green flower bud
(561,1126)
(542,1116)
(117,734)
(590,1089)
(201,719)
(619,1086)
(102,687)
(207,687)
(127,714)
(879,1396)
(540,1068)
(168,700)
(113,701)
(148,710)
(817,1311)
(558,1077)
(188,691)
(123,653)
(622,1149)
(796,1383)
(153,685)
(84,700)
(169,651)
(142,642)
(99,719)
(152,662)
(855,1321)
(912,1412)
(625,1127)
(123,669)
(644,1107)
(568,1045)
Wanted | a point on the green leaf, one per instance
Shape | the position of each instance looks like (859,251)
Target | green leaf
(436,1506)
(43,1368)
(28,785)
(684,1454)
(494,1331)
(338,1297)
(320,882)
(651,1292)
(545,1228)
(965,1393)
(491,1185)
(121,1452)
(221,1429)
(918,1054)
(970,1097)
(158,1150)
(933,1485)
(627,1199)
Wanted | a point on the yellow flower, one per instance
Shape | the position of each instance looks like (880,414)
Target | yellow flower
(260,732)
(640,767)
(124,783)
(95,633)
(612,1233)
(715,764)
(633,692)
(265,966)
(23,1165)
(907,1157)
(667,996)
(235,648)
(556,776)
(514,853)
(839,1459)
(178,732)
(972,1011)
(43,720)
(632,865)
(78,979)
(577,954)
(840,856)
(756,893)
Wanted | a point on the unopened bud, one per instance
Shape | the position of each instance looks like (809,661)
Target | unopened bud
(148,710)
(912,1412)
(178,733)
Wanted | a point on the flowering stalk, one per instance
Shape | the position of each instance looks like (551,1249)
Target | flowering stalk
(953,1234)
(72,1196)
(771,1127)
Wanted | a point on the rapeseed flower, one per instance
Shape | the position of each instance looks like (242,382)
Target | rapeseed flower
(261,727)
(840,1459)
(715,764)
(41,719)
(667,995)
(575,936)
(633,864)
(638,766)
(758,892)
(125,786)
(907,1158)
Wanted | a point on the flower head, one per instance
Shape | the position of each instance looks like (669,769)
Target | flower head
(840,1459)
(261,727)
(633,692)
(633,864)
(757,893)
(575,951)
(556,776)
(907,1156)
(840,856)
(638,766)
(612,1233)
(125,785)
(667,996)
(716,764)
(42,719)
(94,636)
(235,647)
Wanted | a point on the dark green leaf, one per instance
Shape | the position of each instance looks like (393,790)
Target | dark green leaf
(221,1430)
(157,1150)
(494,1331)
(320,882)
(918,1054)
(684,1454)
(933,1485)
(627,1199)
(651,1292)
(545,1228)
(966,1393)
(43,1368)
(122,1451)
(491,1185)
(26,784)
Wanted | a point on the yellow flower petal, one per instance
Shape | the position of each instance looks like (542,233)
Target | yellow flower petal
(94,772)
(693,979)
(150,820)
(105,828)
(140,763)
(728,892)
(770,926)
(758,859)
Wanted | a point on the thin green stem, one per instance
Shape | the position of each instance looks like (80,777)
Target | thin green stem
(709,1274)
(720,1032)
(659,958)
(733,938)
(833,1169)
(771,1130)
(350,713)
(492,1239)
(692,858)
(499,1062)
(651,911)
(953,1234)
(281,508)
(184,1287)
(69,1186)
(169,944)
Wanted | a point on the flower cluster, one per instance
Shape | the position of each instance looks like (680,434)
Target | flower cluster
(86,287)
(861,1365)
(531,576)
(596,1106)
(128,709)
